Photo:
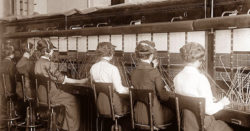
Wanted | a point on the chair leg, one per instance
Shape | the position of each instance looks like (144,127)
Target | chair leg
(116,125)
(32,119)
(101,124)
(9,125)
(50,123)
(97,124)
(54,126)
(10,110)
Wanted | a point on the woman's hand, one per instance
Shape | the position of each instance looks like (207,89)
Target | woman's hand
(155,63)
(70,80)
(225,101)
(84,80)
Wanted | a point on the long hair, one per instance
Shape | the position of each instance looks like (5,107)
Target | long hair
(7,51)
(44,46)
(144,49)
(192,51)
(26,47)
(105,49)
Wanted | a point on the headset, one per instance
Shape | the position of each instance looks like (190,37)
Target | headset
(48,46)
(30,46)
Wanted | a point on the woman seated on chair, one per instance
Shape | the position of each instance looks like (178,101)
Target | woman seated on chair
(146,76)
(191,82)
(26,66)
(45,67)
(104,72)
(8,69)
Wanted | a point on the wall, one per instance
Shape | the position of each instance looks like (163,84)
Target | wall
(40,6)
(5,8)
(96,3)
(135,1)
(65,5)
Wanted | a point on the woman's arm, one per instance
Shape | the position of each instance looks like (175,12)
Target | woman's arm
(205,91)
(57,76)
(117,83)
(160,87)
(71,81)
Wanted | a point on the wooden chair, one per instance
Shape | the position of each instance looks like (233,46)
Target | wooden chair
(194,104)
(106,89)
(30,120)
(12,117)
(146,97)
(46,82)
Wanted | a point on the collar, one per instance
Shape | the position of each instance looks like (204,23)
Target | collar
(8,58)
(106,58)
(144,65)
(146,61)
(45,57)
(26,55)
(191,69)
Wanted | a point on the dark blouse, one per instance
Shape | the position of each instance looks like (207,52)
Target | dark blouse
(26,66)
(48,69)
(147,77)
(9,70)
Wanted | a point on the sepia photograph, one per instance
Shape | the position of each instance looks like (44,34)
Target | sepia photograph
(125,65)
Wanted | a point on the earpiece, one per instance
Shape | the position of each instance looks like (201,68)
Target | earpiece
(28,46)
(48,49)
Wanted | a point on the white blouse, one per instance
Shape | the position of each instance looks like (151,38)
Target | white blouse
(191,82)
(103,71)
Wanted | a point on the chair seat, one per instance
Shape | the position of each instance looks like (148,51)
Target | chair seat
(52,105)
(43,111)
(30,99)
(157,127)
(56,105)
(163,126)
(12,119)
(121,115)
(23,124)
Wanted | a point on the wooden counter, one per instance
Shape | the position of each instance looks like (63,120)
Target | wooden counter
(240,118)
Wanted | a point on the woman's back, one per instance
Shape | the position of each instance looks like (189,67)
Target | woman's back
(148,78)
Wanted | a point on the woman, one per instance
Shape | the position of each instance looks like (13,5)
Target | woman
(26,66)
(105,72)
(191,82)
(146,76)
(44,67)
(8,69)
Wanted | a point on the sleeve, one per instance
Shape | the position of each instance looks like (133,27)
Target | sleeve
(12,70)
(12,73)
(54,73)
(160,90)
(21,64)
(25,66)
(117,83)
(210,107)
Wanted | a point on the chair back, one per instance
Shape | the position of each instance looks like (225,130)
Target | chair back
(4,84)
(20,78)
(107,90)
(7,85)
(46,82)
(194,104)
(145,97)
